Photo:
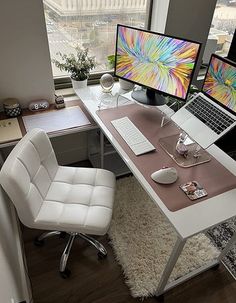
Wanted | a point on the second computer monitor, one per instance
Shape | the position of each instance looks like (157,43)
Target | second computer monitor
(220,82)
(164,65)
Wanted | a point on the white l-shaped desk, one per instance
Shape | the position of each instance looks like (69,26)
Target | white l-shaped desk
(188,221)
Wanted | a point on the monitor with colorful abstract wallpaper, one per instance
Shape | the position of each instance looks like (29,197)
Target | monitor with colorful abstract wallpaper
(162,64)
(220,82)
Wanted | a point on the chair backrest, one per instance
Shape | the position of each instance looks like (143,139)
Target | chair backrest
(27,173)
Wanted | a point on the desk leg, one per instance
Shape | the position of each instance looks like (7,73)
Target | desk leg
(102,149)
(177,249)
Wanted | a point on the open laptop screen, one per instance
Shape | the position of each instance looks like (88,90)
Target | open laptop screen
(220,82)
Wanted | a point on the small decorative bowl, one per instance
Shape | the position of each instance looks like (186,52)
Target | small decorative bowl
(11,107)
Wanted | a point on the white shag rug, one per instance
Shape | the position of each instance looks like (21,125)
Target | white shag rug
(142,240)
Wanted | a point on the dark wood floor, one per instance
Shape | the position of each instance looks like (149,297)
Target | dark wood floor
(98,281)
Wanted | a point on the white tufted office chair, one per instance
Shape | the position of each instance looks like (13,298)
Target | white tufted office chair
(47,196)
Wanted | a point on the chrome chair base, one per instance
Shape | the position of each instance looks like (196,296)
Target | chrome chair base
(64,271)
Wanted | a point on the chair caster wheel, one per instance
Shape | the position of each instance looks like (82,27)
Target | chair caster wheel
(38,242)
(101,256)
(65,274)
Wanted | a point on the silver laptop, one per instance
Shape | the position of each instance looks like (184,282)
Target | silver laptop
(211,113)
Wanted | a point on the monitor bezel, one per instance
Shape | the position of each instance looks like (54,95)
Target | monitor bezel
(164,35)
(230,62)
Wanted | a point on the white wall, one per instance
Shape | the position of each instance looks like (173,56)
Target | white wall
(190,19)
(14,284)
(25,71)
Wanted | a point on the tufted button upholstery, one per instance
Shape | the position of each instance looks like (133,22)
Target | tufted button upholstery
(49,196)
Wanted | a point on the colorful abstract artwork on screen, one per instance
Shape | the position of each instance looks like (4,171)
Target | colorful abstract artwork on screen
(156,61)
(220,83)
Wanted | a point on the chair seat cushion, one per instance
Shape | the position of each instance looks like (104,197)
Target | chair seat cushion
(79,200)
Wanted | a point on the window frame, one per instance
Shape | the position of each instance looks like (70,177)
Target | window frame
(65,82)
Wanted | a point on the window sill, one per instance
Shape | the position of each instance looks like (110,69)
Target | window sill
(66,92)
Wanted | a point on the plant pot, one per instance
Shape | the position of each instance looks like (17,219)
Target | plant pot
(79,84)
(125,85)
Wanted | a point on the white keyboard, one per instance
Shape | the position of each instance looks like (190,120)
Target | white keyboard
(132,136)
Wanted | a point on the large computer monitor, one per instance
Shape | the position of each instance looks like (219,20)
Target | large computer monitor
(164,65)
(232,50)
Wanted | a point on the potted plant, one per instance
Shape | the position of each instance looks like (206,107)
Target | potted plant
(78,65)
(111,61)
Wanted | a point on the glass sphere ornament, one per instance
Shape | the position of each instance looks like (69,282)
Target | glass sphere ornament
(107,82)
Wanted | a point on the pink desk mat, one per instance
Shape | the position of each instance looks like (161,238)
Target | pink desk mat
(213,176)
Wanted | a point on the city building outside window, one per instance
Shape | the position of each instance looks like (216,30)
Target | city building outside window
(90,24)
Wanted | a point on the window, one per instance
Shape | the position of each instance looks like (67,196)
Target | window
(223,25)
(90,24)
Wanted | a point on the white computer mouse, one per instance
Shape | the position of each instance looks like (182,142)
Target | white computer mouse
(165,175)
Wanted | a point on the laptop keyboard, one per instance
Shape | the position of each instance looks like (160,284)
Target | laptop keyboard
(210,115)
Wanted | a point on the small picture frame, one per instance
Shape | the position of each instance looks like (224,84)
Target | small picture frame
(193,190)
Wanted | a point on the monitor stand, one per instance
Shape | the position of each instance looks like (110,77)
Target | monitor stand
(148,97)
(195,156)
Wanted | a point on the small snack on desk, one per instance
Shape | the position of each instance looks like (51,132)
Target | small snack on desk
(193,190)
(59,101)
(11,107)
